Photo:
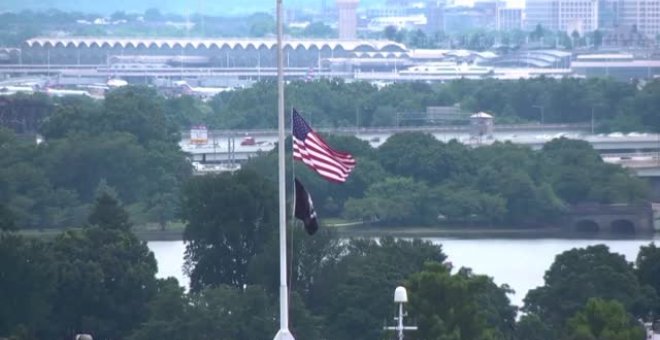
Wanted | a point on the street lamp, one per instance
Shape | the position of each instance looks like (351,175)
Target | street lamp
(542,108)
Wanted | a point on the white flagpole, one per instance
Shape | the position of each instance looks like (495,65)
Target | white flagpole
(283,333)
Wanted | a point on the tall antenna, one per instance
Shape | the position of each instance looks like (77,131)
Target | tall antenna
(283,333)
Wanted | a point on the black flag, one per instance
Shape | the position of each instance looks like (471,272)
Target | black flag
(304,209)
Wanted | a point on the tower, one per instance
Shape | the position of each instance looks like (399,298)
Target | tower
(347,18)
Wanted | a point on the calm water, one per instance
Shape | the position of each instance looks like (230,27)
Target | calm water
(520,263)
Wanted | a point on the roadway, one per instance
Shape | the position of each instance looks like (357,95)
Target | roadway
(67,70)
(255,72)
(636,151)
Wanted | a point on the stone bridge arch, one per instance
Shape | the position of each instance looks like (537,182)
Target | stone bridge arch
(586,226)
(623,226)
(622,219)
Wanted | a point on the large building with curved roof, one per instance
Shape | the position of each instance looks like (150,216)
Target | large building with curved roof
(209,52)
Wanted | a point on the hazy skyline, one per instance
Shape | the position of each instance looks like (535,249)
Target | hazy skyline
(512,3)
(227,7)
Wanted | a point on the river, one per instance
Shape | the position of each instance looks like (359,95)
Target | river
(518,262)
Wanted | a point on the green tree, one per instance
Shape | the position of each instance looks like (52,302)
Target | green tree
(423,157)
(222,312)
(645,102)
(579,274)
(354,295)
(261,24)
(169,314)
(603,319)
(531,327)
(183,112)
(598,38)
(105,280)
(27,284)
(138,111)
(107,213)
(312,256)
(458,204)
(81,161)
(72,114)
(578,174)
(229,219)
(7,220)
(459,306)
(647,266)
(393,200)
(153,15)
(318,30)
(390,32)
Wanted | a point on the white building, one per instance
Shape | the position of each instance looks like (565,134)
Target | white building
(642,15)
(509,19)
(347,19)
(562,15)
(400,22)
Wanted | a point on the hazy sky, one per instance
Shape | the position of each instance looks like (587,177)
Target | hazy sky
(513,3)
(226,7)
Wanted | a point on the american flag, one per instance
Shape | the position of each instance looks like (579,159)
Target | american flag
(312,150)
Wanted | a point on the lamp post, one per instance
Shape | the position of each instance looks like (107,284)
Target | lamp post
(542,108)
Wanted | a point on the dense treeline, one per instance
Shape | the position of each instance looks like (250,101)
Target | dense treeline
(126,142)
(129,143)
(333,103)
(415,179)
(100,280)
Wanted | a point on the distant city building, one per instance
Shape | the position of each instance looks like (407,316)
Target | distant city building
(460,19)
(537,59)
(158,53)
(411,22)
(435,16)
(509,19)
(541,13)
(347,19)
(641,16)
(488,7)
(618,66)
(621,20)
(563,15)
(380,12)
(610,14)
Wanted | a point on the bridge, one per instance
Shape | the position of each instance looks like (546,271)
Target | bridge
(635,151)
(610,218)
(230,145)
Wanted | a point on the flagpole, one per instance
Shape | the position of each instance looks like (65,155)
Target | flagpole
(283,333)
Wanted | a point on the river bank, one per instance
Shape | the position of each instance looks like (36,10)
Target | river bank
(142,234)
(349,231)
(379,231)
